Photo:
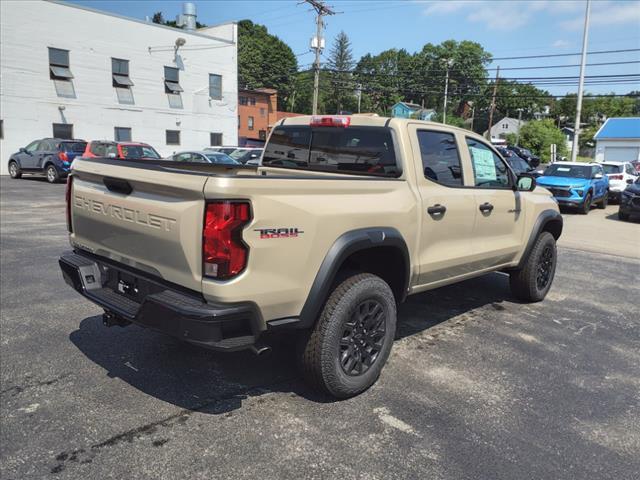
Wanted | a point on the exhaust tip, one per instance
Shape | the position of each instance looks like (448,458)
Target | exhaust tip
(260,350)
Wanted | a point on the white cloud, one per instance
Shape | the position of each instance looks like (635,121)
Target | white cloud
(561,44)
(607,14)
(439,8)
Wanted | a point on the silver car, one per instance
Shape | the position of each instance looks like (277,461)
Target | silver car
(204,156)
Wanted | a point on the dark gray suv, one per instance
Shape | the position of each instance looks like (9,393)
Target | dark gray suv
(49,156)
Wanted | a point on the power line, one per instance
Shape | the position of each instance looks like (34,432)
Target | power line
(566,54)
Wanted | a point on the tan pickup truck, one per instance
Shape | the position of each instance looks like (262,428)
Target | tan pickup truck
(343,219)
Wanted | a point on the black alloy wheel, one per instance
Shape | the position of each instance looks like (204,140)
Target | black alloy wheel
(545,267)
(363,337)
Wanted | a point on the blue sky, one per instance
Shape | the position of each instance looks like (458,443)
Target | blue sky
(504,28)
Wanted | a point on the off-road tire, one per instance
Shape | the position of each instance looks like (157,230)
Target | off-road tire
(320,351)
(585,208)
(52,174)
(604,202)
(524,282)
(14,170)
(623,216)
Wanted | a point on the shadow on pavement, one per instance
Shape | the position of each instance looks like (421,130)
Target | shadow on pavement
(200,380)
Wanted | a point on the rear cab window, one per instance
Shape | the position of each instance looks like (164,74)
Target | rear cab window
(352,150)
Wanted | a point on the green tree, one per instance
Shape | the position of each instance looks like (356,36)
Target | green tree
(265,61)
(340,65)
(539,135)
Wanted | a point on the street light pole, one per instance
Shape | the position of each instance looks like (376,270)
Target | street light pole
(518,132)
(585,41)
(446,91)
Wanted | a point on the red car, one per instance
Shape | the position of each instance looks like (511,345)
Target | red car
(124,150)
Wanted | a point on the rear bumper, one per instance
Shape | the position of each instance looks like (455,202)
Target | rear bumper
(222,327)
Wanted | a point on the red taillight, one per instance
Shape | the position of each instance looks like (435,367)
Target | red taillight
(63,156)
(616,177)
(330,121)
(67,196)
(223,251)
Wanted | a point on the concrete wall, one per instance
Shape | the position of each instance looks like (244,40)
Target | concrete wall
(29,104)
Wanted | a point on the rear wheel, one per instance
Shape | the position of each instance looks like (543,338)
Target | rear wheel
(350,343)
(532,282)
(604,202)
(586,206)
(52,174)
(14,169)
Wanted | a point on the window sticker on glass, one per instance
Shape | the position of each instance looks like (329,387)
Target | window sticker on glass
(483,164)
(561,169)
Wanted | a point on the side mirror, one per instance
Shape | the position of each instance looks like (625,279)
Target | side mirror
(22,150)
(526,183)
(597,176)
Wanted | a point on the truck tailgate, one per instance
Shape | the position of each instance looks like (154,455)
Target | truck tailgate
(155,227)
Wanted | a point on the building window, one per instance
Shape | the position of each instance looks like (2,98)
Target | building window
(263,112)
(262,134)
(250,123)
(63,130)
(122,134)
(173,137)
(121,81)
(60,72)
(215,86)
(242,100)
(1,129)
(252,101)
(172,80)
(215,139)
(239,122)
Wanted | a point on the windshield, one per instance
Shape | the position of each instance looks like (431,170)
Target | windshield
(77,147)
(574,171)
(518,163)
(609,169)
(221,158)
(138,151)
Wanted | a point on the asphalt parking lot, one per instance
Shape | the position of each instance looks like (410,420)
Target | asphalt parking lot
(477,386)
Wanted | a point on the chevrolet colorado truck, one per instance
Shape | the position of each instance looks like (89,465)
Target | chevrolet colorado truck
(344,217)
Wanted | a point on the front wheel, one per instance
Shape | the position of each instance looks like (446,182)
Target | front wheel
(586,206)
(350,343)
(532,282)
(605,201)
(14,169)
(52,174)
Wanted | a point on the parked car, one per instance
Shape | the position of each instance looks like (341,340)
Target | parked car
(636,165)
(518,164)
(204,157)
(578,185)
(240,154)
(526,154)
(630,201)
(49,156)
(620,175)
(124,150)
(231,258)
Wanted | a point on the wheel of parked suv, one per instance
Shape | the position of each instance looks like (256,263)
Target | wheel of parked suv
(52,174)
(586,206)
(604,202)
(350,343)
(532,282)
(14,170)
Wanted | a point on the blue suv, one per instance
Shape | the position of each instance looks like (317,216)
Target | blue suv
(576,184)
(49,156)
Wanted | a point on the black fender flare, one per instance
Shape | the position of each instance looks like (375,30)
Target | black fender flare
(347,244)
(542,221)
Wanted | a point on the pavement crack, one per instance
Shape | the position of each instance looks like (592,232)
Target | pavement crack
(18,389)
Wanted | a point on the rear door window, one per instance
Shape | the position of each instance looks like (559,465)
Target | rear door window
(76,147)
(440,159)
(351,150)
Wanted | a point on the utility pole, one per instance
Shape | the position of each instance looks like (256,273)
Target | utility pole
(518,133)
(317,45)
(446,91)
(585,41)
(493,101)
(359,96)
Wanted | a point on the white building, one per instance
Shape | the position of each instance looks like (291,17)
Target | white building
(505,126)
(618,140)
(71,71)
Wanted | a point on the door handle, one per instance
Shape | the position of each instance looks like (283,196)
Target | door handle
(486,207)
(436,209)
